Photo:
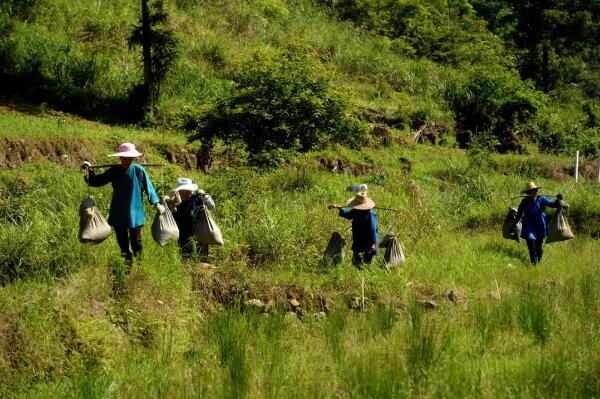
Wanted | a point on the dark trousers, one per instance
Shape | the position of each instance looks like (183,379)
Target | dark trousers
(535,250)
(358,260)
(126,236)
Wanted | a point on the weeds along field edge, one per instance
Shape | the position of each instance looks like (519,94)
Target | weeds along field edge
(465,316)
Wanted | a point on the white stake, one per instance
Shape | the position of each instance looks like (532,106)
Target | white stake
(576,166)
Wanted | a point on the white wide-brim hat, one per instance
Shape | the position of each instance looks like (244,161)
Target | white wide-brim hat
(185,183)
(127,150)
(360,202)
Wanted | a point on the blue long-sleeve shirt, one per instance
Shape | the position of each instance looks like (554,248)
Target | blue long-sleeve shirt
(127,204)
(365,231)
(534,217)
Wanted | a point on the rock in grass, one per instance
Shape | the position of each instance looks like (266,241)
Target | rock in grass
(255,303)
(428,303)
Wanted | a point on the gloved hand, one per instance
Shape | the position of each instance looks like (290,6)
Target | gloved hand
(160,208)
(559,196)
(86,165)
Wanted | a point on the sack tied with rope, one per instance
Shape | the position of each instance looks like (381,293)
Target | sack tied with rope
(394,255)
(164,227)
(559,229)
(205,228)
(334,253)
(93,227)
(511,228)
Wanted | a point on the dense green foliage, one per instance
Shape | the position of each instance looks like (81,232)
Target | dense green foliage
(407,64)
(280,102)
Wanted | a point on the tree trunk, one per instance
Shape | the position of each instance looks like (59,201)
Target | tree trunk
(147,56)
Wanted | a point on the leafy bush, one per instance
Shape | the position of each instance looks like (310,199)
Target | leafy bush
(281,101)
(492,103)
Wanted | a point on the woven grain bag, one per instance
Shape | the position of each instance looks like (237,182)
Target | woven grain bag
(393,256)
(334,253)
(511,228)
(559,229)
(93,228)
(205,228)
(164,227)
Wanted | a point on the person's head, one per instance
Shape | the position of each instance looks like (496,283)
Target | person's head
(531,190)
(185,187)
(127,154)
(360,202)
(126,162)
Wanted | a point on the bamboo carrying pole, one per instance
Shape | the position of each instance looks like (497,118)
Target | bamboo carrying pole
(108,165)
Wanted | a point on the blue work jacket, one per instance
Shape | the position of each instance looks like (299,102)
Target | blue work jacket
(127,204)
(534,217)
(364,228)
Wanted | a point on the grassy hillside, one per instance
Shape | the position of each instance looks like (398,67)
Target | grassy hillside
(403,64)
(465,316)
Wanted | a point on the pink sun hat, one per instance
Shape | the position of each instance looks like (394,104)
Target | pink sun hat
(127,150)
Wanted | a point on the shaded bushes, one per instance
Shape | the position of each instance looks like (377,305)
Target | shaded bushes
(492,106)
(281,101)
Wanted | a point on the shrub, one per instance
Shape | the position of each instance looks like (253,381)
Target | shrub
(492,102)
(281,101)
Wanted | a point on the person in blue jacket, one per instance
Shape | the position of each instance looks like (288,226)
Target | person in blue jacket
(187,199)
(534,219)
(126,214)
(365,232)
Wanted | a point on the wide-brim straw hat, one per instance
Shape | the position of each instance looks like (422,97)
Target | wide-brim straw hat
(531,186)
(127,150)
(185,183)
(360,202)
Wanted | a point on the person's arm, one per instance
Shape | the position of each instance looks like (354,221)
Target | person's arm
(374,231)
(346,213)
(148,187)
(551,203)
(100,180)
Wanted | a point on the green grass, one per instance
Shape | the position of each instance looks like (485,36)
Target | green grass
(72,325)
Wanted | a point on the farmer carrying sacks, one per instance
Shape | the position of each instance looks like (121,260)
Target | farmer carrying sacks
(164,227)
(93,228)
(186,199)
(334,253)
(393,256)
(511,228)
(559,229)
(532,210)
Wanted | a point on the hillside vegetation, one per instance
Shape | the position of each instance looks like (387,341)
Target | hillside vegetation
(286,103)
(465,316)
(496,73)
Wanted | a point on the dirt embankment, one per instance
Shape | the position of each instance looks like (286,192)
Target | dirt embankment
(15,152)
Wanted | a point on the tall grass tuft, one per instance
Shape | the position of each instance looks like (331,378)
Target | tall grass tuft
(534,316)
(334,328)
(228,330)
(423,348)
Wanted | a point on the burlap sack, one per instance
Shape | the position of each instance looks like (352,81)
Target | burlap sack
(511,228)
(559,229)
(393,256)
(334,253)
(164,227)
(205,228)
(93,228)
